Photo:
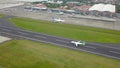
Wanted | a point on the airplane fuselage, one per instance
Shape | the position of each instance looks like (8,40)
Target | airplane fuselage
(77,43)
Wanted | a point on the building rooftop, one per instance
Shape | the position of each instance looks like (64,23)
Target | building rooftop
(103,7)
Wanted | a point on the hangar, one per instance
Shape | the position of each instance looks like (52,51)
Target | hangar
(103,10)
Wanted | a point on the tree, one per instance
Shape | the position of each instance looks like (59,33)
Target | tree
(118,8)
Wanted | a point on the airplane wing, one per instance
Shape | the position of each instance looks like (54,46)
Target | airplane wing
(77,43)
(83,43)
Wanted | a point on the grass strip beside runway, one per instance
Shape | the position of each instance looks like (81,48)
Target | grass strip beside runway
(28,54)
(1,15)
(68,30)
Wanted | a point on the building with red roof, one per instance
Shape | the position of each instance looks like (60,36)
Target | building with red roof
(41,6)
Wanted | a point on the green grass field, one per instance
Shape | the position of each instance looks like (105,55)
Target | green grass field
(68,30)
(28,54)
(1,15)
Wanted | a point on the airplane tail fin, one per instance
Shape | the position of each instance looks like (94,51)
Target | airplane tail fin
(83,43)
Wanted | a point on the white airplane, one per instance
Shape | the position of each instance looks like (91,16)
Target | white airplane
(49,11)
(58,20)
(77,43)
(60,13)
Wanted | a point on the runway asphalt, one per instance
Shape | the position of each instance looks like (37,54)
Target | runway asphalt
(98,49)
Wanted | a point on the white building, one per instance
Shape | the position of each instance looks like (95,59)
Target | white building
(103,7)
(55,1)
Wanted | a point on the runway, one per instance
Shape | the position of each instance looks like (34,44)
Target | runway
(98,49)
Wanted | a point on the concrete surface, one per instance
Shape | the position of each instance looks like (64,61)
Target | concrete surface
(3,39)
(100,22)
